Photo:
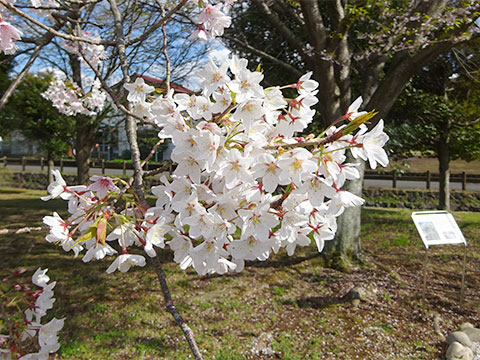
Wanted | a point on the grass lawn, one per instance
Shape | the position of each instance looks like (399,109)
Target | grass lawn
(294,299)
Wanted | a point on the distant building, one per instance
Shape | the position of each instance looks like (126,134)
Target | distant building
(111,140)
(18,145)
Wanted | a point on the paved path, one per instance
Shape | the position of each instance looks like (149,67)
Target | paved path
(401,184)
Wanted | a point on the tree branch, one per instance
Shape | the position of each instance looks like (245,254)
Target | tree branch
(130,126)
(50,29)
(157,25)
(265,55)
(282,28)
(171,308)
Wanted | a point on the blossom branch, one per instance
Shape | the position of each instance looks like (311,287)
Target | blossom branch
(130,126)
(112,95)
(51,30)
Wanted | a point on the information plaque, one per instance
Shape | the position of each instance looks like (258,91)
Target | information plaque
(437,228)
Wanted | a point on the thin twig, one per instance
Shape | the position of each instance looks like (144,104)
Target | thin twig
(170,306)
(157,25)
(152,152)
(168,70)
(157,171)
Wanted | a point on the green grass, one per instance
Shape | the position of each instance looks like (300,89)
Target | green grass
(122,316)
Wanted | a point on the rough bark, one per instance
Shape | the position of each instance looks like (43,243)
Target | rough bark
(50,166)
(85,130)
(346,245)
(444,170)
(84,144)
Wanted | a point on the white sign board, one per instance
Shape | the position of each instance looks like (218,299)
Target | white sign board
(437,228)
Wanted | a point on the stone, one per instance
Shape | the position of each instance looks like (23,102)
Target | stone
(466,325)
(460,337)
(473,334)
(457,351)
(358,292)
(362,292)
(356,302)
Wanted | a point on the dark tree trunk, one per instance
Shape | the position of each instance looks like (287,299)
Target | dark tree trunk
(346,245)
(85,130)
(50,166)
(84,144)
(444,169)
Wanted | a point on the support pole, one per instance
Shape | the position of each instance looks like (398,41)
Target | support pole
(462,291)
(424,276)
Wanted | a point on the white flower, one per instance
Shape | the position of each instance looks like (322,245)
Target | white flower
(235,168)
(57,187)
(156,236)
(257,222)
(296,166)
(246,85)
(98,251)
(102,185)
(213,77)
(138,90)
(8,34)
(48,335)
(267,169)
(40,278)
(305,84)
(373,143)
(125,261)
(342,200)
(352,111)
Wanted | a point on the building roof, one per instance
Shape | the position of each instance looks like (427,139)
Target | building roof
(155,81)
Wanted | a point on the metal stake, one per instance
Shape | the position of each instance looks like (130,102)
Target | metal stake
(424,276)
(462,292)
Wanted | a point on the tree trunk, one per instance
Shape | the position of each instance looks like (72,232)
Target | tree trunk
(50,166)
(85,129)
(346,245)
(84,143)
(444,170)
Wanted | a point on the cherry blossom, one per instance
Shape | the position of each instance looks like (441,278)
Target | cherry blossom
(138,90)
(8,34)
(124,262)
(244,185)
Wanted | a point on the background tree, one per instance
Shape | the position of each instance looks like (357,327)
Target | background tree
(145,53)
(438,113)
(369,48)
(34,116)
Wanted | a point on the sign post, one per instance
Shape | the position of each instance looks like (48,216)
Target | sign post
(439,228)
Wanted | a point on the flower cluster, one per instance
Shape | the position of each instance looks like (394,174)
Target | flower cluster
(70,100)
(30,335)
(93,53)
(212,20)
(244,186)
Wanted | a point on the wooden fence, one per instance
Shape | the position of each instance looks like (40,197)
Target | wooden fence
(41,162)
(393,176)
(426,177)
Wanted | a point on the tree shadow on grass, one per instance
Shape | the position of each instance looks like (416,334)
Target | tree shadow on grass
(317,302)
